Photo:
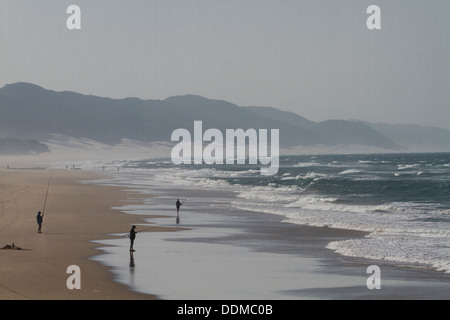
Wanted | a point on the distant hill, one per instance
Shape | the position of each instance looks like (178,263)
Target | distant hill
(28,111)
(14,146)
(415,137)
(332,132)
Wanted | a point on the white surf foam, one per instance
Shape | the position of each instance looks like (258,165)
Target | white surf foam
(399,231)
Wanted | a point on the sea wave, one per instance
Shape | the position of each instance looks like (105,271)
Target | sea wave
(397,201)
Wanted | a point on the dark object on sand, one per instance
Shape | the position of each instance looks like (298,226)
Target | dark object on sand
(11,247)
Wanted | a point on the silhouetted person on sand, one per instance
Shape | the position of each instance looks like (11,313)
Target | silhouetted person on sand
(132,237)
(39,220)
(178,204)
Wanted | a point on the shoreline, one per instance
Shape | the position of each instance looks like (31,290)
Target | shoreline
(271,247)
(76,214)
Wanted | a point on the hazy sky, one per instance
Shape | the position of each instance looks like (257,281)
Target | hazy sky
(314,57)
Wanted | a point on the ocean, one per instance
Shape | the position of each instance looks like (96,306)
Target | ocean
(401,200)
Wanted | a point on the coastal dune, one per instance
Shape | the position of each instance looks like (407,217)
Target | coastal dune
(75,214)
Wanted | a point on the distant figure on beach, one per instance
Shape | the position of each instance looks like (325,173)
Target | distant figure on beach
(132,237)
(39,220)
(178,204)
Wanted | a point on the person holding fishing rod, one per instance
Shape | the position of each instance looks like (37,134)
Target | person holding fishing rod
(132,236)
(40,216)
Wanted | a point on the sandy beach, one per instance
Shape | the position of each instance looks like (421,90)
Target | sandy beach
(75,214)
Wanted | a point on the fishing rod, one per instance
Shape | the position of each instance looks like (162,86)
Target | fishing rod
(128,235)
(148,229)
(46,194)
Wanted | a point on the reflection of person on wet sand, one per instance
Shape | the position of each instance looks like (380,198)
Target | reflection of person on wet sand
(132,265)
(132,237)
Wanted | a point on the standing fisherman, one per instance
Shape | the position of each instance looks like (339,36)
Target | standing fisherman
(178,204)
(39,219)
(132,237)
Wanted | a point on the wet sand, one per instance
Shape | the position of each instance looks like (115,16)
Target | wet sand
(229,254)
